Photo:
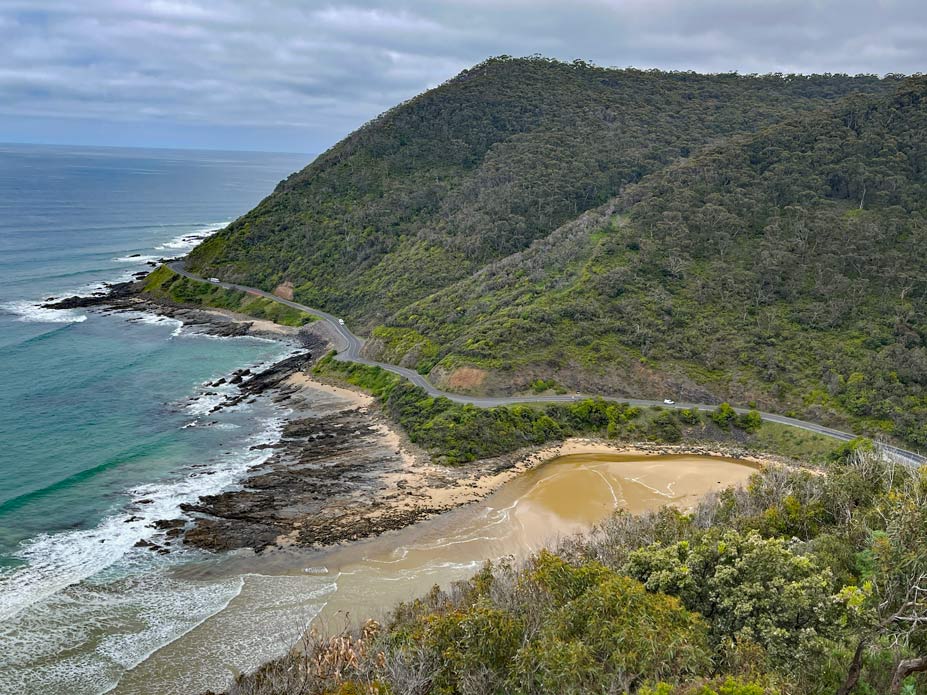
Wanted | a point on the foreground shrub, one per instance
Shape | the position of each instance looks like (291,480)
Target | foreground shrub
(753,589)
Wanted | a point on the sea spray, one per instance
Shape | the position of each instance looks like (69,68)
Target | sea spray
(55,561)
(90,422)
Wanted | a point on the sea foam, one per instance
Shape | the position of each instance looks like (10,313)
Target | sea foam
(33,312)
(57,561)
(185,242)
(138,259)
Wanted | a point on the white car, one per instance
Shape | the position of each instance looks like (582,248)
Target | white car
(215,280)
(341,321)
(669,401)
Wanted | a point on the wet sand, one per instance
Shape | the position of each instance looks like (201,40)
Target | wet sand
(283,592)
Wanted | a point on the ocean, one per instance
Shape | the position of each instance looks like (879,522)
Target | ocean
(106,429)
(104,423)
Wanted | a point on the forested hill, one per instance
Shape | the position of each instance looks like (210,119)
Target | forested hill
(785,267)
(478,168)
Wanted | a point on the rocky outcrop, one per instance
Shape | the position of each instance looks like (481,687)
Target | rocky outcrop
(324,484)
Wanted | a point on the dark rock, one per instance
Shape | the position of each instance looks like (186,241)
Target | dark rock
(324,485)
(116,291)
(165,524)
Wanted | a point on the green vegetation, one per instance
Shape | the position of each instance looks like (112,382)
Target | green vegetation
(454,433)
(404,347)
(798,584)
(478,168)
(793,443)
(748,238)
(375,380)
(544,385)
(559,226)
(782,267)
(164,283)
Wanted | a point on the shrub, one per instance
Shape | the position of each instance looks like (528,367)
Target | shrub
(755,589)
(723,416)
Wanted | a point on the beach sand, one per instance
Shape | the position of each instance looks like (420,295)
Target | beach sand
(416,488)
(553,500)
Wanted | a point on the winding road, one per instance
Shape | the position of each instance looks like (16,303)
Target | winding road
(351,346)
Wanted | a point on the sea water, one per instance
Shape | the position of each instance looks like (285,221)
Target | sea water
(105,428)
(104,419)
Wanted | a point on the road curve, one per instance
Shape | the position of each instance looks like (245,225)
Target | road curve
(351,346)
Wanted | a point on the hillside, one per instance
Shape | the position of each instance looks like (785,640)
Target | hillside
(478,168)
(784,267)
(532,224)
(796,584)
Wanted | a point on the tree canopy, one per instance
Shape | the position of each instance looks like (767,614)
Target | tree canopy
(717,237)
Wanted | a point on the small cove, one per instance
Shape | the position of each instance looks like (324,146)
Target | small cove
(283,592)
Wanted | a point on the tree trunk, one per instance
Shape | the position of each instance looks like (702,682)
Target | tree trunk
(904,669)
(856,666)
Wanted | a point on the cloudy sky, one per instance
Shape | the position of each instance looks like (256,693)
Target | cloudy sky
(289,75)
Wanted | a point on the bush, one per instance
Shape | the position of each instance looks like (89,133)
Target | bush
(755,590)
(604,631)
(727,686)
(750,422)
(665,427)
(723,416)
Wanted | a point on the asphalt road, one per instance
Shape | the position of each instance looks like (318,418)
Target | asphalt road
(351,346)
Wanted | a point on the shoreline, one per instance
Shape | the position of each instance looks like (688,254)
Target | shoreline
(341,475)
(345,475)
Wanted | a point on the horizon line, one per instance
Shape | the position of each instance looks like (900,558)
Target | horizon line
(153,147)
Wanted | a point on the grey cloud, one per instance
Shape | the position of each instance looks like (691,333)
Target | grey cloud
(322,68)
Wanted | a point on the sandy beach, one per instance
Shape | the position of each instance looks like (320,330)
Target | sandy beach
(343,471)
(286,591)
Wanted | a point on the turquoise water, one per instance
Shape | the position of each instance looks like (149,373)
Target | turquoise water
(98,412)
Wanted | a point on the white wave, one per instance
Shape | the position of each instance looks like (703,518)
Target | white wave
(204,403)
(55,562)
(193,332)
(137,259)
(147,319)
(186,242)
(212,396)
(83,639)
(267,618)
(33,312)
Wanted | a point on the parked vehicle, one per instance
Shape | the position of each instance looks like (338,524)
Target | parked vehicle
(215,280)
(669,401)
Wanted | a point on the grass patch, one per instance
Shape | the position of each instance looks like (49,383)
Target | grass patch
(455,433)
(164,283)
(795,443)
